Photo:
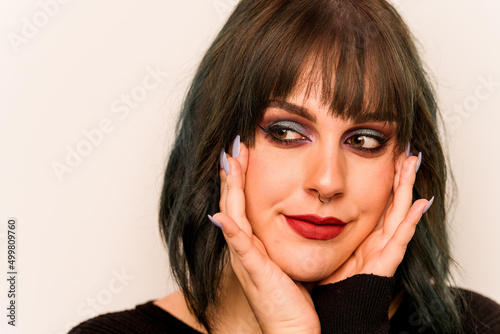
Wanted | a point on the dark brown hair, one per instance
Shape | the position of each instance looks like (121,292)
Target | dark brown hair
(365,58)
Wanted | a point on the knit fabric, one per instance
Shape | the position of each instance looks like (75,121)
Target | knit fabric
(358,304)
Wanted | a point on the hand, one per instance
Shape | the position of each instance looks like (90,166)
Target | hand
(384,248)
(279,304)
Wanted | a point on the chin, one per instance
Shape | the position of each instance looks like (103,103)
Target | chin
(305,265)
(306,277)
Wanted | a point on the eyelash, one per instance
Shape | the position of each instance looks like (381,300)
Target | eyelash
(382,143)
(273,128)
(286,142)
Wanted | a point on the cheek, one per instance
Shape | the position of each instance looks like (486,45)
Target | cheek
(263,185)
(375,185)
(272,181)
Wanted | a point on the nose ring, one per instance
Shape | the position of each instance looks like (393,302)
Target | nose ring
(324,202)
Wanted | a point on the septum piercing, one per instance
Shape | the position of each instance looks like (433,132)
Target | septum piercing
(319,197)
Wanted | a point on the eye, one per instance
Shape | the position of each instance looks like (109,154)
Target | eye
(367,140)
(285,132)
(364,141)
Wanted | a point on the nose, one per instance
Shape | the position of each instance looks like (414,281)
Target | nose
(326,173)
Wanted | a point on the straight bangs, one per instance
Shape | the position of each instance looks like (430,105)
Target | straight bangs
(348,53)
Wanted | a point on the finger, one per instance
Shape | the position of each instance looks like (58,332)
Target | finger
(240,152)
(223,185)
(403,195)
(235,200)
(305,292)
(397,172)
(398,167)
(395,248)
(380,223)
(242,158)
(241,245)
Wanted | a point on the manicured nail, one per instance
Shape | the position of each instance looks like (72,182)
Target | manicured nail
(419,161)
(408,152)
(215,222)
(428,205)
(236,147)
(224,162)
(221,158)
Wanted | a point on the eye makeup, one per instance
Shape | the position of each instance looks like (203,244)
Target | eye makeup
(367,133)
(286,129)
(278,131)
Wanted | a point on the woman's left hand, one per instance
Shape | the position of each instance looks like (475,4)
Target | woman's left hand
(384,248)
(279,304)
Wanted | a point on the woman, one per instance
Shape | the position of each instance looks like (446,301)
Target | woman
(318,214)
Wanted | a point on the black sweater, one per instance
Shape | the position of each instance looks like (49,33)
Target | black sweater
(356,305)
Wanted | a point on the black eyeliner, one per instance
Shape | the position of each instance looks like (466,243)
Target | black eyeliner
(374,134)
(287,126)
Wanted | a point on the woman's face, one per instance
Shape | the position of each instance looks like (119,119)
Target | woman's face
(301,152)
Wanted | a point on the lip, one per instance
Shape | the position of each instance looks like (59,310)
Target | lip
(316,227)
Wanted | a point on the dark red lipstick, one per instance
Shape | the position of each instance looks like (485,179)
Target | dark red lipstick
(316,227)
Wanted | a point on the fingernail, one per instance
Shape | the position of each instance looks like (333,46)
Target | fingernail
(419,161)
(224,162)
(408,152)
(236,147)
(215,222)
(428,205)
(221,158)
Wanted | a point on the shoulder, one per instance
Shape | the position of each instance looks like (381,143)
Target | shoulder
(482,314)
(144,318)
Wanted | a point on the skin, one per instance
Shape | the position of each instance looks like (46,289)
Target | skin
(269,262)
(287,179)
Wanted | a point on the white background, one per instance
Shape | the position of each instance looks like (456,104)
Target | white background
(88,239)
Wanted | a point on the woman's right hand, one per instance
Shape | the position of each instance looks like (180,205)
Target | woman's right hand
(279,304)
(382,251)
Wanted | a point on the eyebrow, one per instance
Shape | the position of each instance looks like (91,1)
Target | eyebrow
(305,113)
(293,109)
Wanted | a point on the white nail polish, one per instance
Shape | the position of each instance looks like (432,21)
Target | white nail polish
(225,164)
(419,161)
(428,205)
(215,222)
(236,147)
